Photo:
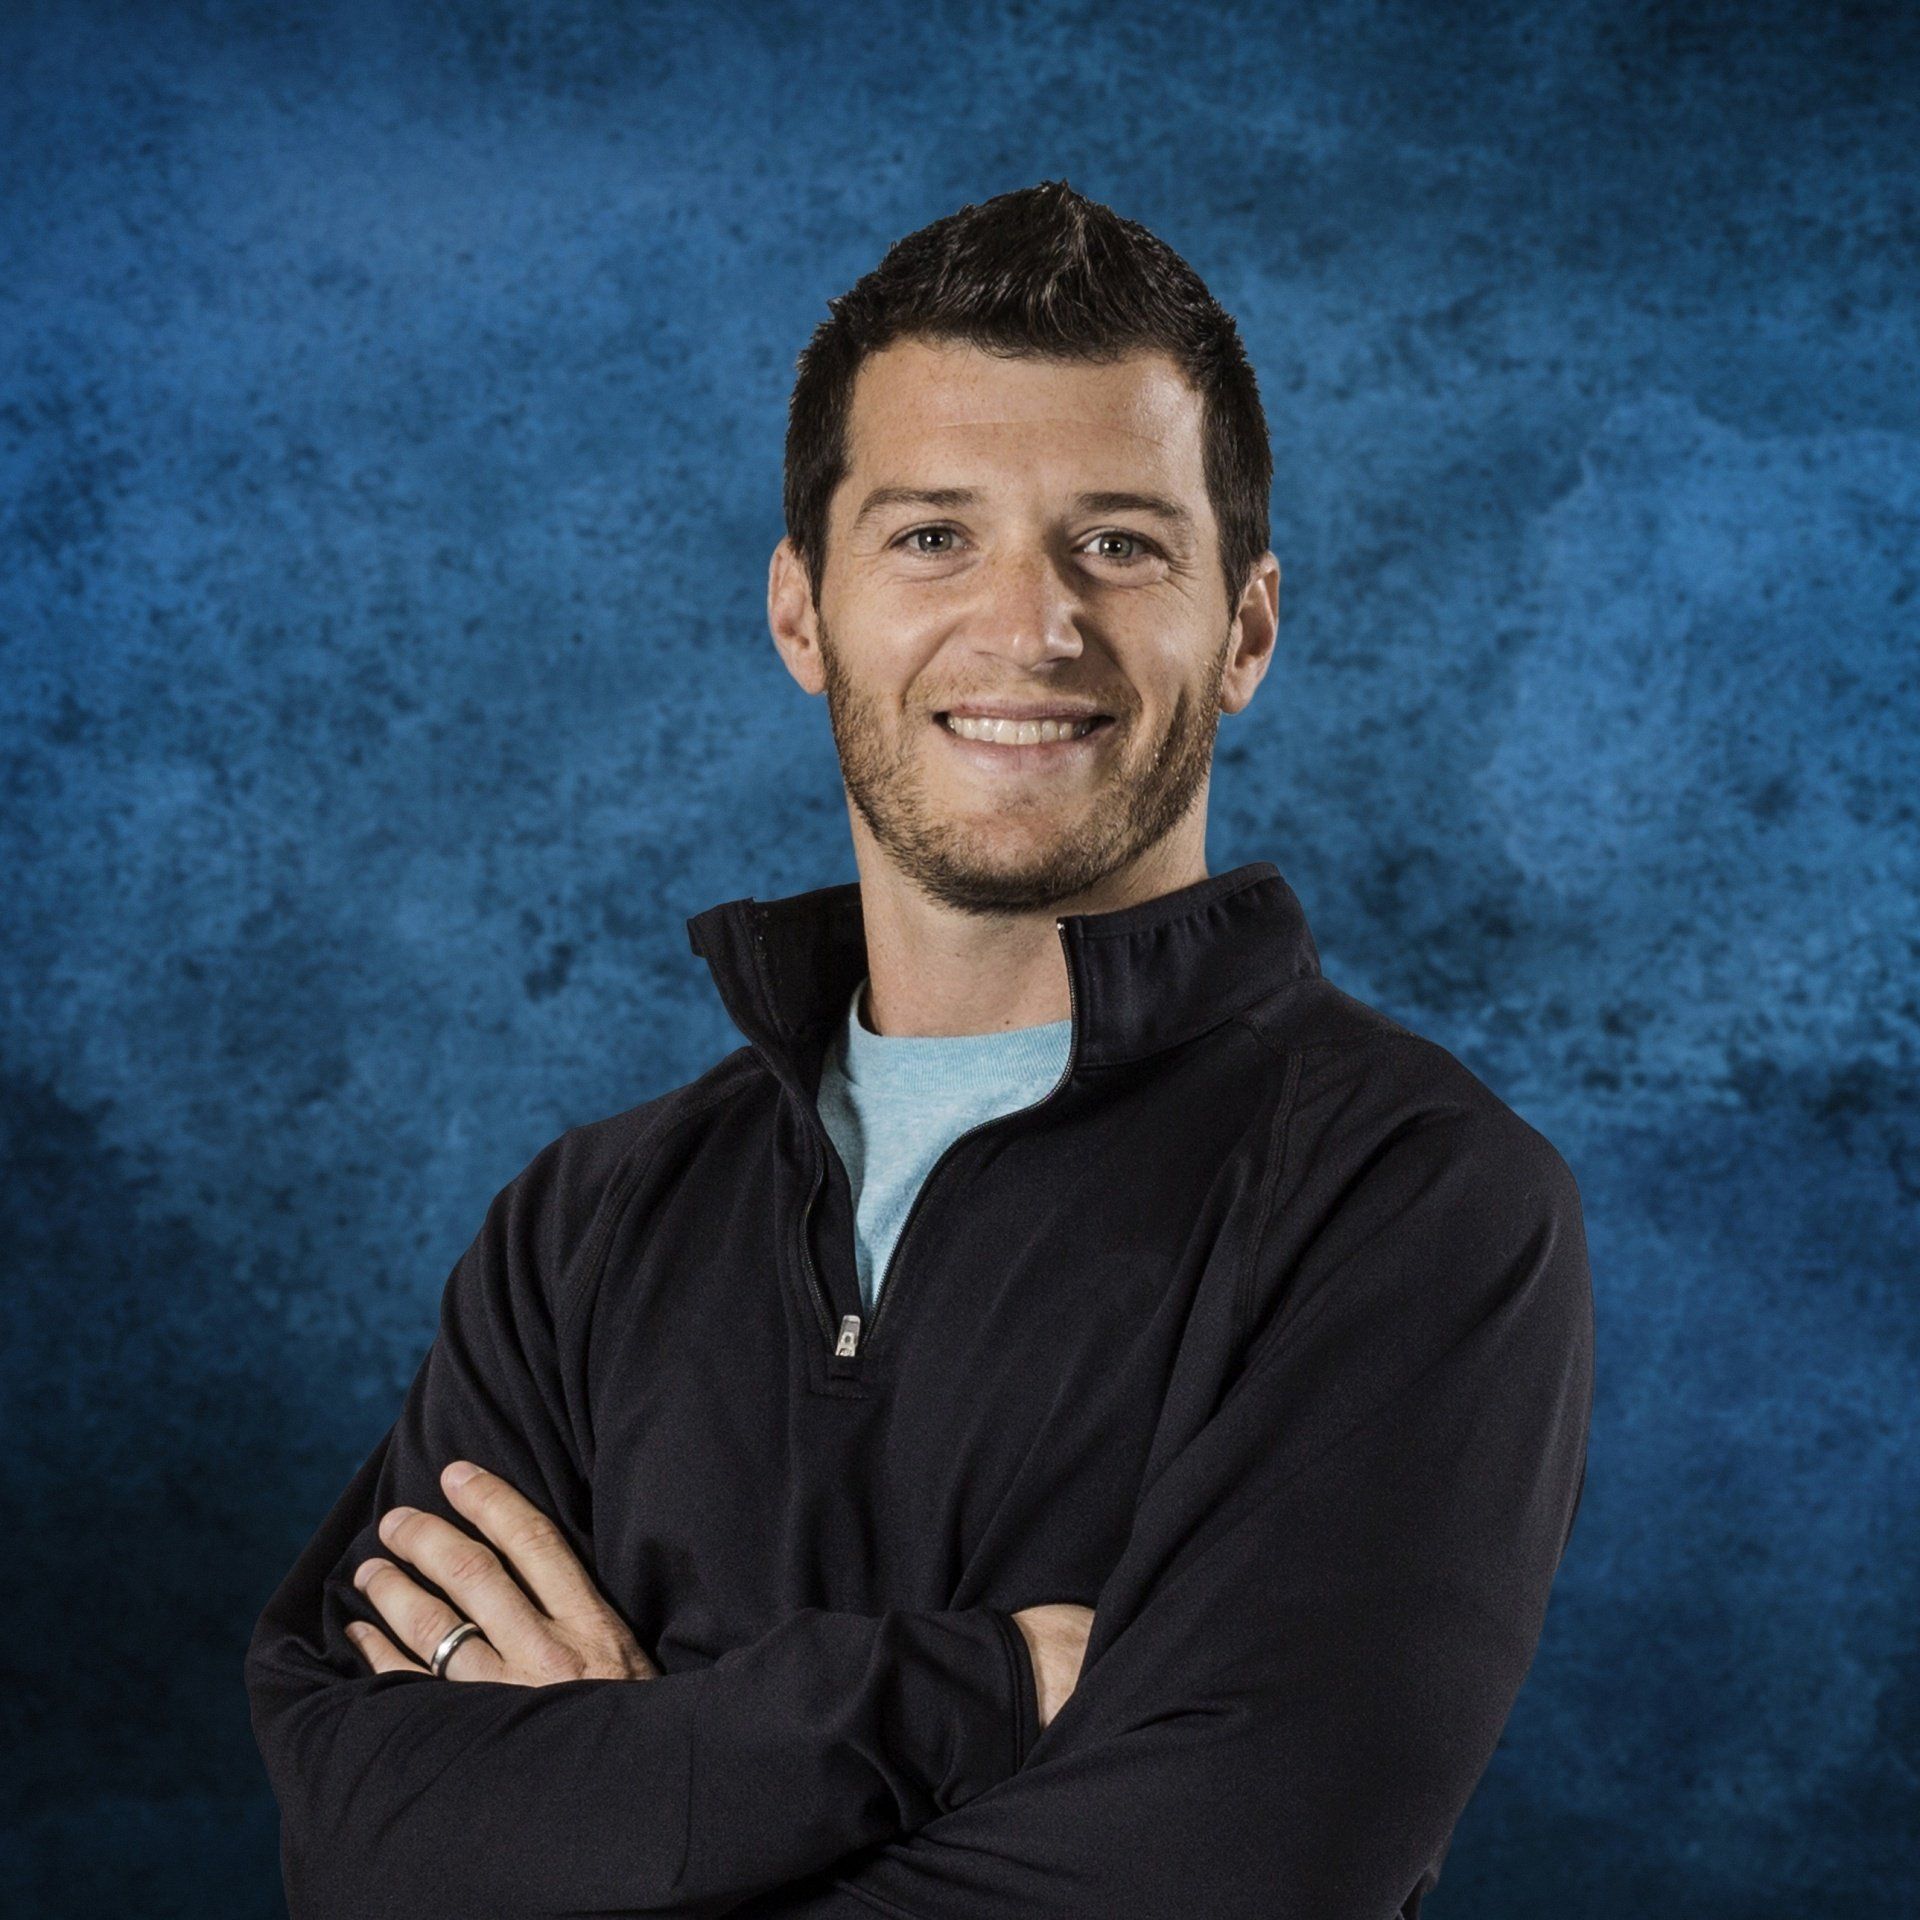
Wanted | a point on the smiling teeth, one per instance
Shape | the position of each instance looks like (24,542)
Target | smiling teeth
(1017,733)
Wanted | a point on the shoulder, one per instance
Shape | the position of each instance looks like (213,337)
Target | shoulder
(592,1155)
(1410,1201)
(1366,1089)
(563,1203)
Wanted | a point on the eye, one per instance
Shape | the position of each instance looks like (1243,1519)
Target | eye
(913,533)
(1119,533)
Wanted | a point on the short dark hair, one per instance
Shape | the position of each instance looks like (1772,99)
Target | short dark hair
(1042,272)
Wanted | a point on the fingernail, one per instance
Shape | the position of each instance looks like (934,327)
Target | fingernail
(363,1573)
(459,1473)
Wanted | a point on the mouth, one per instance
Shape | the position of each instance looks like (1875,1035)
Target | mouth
(1025,746)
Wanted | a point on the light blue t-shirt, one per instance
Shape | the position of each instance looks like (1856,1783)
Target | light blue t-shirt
(892,1104)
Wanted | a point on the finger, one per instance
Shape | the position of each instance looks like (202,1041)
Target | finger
(379,1652)
(476,1583)
(420,1622)
(532,1542)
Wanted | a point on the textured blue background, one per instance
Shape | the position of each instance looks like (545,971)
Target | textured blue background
(391,403)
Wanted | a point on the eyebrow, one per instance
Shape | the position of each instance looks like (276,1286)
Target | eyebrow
(1107,500)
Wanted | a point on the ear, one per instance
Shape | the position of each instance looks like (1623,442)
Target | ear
(1256,626)
(791,617)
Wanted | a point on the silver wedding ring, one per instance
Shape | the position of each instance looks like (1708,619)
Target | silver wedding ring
(444,1651)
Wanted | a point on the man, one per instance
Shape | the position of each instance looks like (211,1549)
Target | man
(1077,1416)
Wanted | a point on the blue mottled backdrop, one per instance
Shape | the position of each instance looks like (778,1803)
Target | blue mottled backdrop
(391,410)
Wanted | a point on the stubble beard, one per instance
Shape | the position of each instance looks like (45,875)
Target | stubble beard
(1132,807)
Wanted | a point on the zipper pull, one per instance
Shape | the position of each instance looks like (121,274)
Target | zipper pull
(849,1337)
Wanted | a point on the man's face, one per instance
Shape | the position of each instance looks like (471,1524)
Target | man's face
(1024,595)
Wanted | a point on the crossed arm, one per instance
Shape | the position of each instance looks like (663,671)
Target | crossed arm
(680,1793)
(1298,1671)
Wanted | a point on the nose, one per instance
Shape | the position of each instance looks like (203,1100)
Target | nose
(1028,612)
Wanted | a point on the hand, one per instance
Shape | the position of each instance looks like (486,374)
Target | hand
(1056,1636)
(578,1636)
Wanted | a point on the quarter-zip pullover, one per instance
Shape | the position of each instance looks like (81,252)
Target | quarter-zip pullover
(1278,1356)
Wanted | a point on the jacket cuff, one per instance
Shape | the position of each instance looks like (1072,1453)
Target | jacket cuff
(1026,1689)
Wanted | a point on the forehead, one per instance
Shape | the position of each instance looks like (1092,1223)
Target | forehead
(921,401)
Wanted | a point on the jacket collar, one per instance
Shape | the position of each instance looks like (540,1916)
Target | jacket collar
(1143,977)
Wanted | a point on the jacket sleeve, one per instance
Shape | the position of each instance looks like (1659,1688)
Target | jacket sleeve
(403,1794)
(1333,1587)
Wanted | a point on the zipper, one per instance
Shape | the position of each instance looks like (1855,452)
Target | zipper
(847,1342)
(822,1308)
(851,1339)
